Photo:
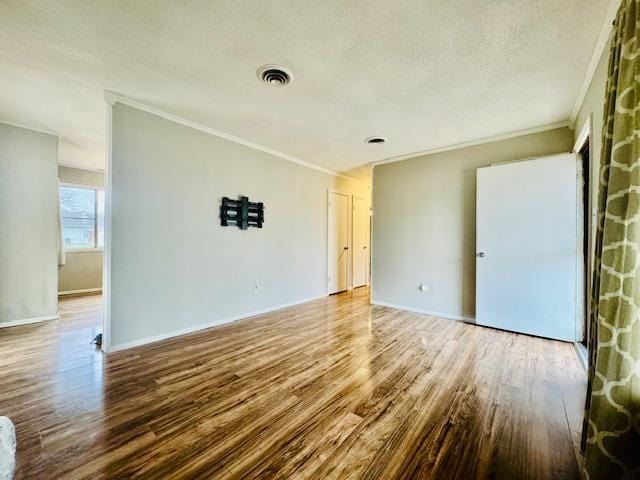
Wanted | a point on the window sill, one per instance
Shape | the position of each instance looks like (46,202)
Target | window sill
(83,250)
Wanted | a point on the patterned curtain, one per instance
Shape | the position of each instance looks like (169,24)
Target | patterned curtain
(611,434)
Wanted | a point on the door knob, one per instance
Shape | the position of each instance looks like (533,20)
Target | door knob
(346,248)
(480,254)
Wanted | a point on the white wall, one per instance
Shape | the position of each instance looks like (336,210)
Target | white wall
(424,222)
(28,224)
(83,269)
(173,267)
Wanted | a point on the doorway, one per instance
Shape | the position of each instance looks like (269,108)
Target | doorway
(81,206)
(338,242)
(584,157)
(583,148)
(361,234)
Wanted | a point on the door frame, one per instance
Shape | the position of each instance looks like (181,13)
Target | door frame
(583,277)
(106,251)
(349,237)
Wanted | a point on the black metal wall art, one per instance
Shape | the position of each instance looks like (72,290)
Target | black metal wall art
(242,213)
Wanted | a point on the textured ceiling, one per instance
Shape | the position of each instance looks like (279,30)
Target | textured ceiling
(424,73)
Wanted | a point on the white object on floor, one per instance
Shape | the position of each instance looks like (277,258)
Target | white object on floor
(7,449)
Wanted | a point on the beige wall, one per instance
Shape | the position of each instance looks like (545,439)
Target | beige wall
(82,270)
(80,176)
(593,108)
(424,222)
(173,267)
(592,112)
(593,104)
(28,224)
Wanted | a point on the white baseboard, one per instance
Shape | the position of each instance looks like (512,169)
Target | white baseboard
(77,292)
(425,312)
(27,321)
(203,326)
(583,354)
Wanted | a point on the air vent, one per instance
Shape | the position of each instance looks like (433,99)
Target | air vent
(375,140)
(274,75)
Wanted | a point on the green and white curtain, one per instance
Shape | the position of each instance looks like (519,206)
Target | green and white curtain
(611,437)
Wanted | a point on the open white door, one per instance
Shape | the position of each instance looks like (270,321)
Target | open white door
(526,247)
(338,241)
(360,242)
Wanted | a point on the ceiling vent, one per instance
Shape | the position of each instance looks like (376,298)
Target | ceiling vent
(375,140)
(274,75)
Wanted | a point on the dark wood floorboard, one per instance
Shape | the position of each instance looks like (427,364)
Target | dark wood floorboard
(335,388)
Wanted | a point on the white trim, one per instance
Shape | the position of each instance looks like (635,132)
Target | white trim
(473,143)
(27,321)
(82,290)
(37,130)
(449,316)
(106,256)
(583,354)
(112,98)
(75,184)
(603,39)
(204,326)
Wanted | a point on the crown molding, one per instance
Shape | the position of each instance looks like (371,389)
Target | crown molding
(37,130)
(112,98)
(473,143)
(598,50)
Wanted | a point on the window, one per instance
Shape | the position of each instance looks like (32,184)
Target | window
(82,212)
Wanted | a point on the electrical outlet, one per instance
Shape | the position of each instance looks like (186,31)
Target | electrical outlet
(422,287)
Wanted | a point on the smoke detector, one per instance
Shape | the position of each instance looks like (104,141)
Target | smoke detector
(375,140)
(274,75)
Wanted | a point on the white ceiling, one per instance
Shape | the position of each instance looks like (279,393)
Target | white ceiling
(423,73)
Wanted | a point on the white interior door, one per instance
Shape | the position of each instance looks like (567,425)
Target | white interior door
(338,242)
(360,243)
(526,247)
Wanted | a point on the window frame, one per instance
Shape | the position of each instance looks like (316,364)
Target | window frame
(86,186)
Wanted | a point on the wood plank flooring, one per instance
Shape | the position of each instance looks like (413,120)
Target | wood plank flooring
(332,389)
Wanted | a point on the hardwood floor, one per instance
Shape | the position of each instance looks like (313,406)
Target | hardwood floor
(334,388)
